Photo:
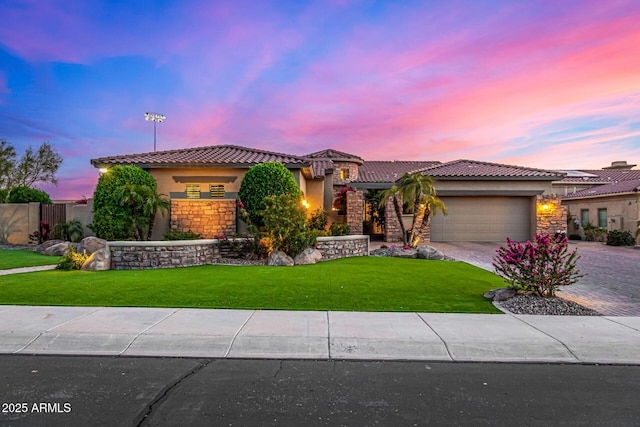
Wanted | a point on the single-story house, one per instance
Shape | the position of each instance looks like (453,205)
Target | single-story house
(485,201)
(607,198)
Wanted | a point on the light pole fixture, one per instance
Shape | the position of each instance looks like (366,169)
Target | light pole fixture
(155,118)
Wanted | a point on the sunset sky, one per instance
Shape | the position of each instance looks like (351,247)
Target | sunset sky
(547,84)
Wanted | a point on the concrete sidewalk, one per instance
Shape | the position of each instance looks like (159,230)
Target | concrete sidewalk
(318,335)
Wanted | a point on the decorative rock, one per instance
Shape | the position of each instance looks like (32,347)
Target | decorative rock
(501,294)
(428,252)
(98,261)
(308,256)
(59,249)
(91,244)
(404,253)
(279,258)
(46,245)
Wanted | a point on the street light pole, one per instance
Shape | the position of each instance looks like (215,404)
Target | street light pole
(155,118)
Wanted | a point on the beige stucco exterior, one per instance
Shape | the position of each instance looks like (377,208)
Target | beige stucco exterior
(625,206)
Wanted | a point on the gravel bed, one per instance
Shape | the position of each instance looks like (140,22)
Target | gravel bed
(19,247)
(236,261)
(532,304)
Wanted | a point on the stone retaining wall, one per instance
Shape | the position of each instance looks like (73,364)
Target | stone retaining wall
(188,253)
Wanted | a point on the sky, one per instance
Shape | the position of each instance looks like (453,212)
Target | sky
(552,84)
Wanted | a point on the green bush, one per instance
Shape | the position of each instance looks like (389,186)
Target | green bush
(262,180)
(592,233)
(339,229)
(23,194)
(620,238)
(181,235)
(3,195)
(318,220)
(72,260)
(286,225)
(111,219)
(70,231)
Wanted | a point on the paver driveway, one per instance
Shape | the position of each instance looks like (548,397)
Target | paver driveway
(612,284)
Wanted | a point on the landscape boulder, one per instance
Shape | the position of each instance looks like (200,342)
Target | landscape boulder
(428,252)
(308,256)
(399,252)
(501,294)
(279,258)
(46,245)
(98,261)
(91,244)
(59,249)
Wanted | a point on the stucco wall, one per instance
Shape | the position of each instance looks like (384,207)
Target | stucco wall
(17,221)
(626,206)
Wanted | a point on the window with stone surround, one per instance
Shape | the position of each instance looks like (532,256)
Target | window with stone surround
(217,191)
(193,191)
(344,173)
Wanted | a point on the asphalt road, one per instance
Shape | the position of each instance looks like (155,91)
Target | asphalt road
(118,391)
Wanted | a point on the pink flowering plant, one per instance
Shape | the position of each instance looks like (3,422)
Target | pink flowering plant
(539,266)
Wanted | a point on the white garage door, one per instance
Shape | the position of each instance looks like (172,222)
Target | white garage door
(483,219)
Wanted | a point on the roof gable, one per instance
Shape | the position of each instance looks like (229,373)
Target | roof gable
(335,155)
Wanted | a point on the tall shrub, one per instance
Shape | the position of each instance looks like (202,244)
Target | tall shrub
(539,266)
(286,224)
(22,194)
(113,220)
(262,180)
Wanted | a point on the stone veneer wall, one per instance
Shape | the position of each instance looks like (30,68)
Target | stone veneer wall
(343,246)
(392,230)
(554,218)
(355,211)
(211,218)
(353,172)
(187,253)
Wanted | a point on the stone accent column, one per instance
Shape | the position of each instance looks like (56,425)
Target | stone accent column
(211,218)
(355,211)
(551,215)
(392,230)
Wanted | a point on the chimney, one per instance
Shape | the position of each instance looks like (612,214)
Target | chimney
(619,164)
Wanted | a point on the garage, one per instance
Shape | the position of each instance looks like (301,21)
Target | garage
(483,219)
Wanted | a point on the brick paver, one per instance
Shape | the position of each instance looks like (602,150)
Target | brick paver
(612,284)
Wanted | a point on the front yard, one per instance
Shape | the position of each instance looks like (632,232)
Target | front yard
(349,284)
(24,258)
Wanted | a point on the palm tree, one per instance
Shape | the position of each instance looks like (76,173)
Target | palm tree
(419,192)
(144,203)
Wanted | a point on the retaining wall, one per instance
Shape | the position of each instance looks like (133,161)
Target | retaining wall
(187,253)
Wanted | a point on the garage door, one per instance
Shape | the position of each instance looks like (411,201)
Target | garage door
(482,219)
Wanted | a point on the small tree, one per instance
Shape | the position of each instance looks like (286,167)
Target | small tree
(114,215)
(262,180)
(24,194)
(540,266)
(285,220)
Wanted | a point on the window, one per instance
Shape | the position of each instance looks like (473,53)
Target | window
(193,191)
(344,173)
(602,218)
(217,191)
(584,216)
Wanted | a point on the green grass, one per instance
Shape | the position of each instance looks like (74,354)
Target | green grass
(350,284)
(17,258)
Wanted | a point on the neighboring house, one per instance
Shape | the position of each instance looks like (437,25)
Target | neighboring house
(485,201)
(607,198)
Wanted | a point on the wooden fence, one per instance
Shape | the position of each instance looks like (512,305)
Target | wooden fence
(53,214)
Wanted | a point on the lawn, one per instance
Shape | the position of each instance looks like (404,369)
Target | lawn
(349,284)
(18,258)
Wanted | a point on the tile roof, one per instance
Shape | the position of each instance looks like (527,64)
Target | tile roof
(602,176)
(388,171)
(335,155)
(211,155)
(475,169)
(320,167)
(622,187)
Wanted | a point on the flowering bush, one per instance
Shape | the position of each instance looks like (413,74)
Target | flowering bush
(72,260)
(540,266)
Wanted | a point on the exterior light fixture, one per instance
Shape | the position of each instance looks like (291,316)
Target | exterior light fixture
(155,118)
(545,207)
(103,170)
(305,204)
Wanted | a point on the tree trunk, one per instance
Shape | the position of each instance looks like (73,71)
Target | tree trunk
(398,208)
(424,223)
(417,226)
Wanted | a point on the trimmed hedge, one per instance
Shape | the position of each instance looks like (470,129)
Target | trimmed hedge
(262,180)
(23,194)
